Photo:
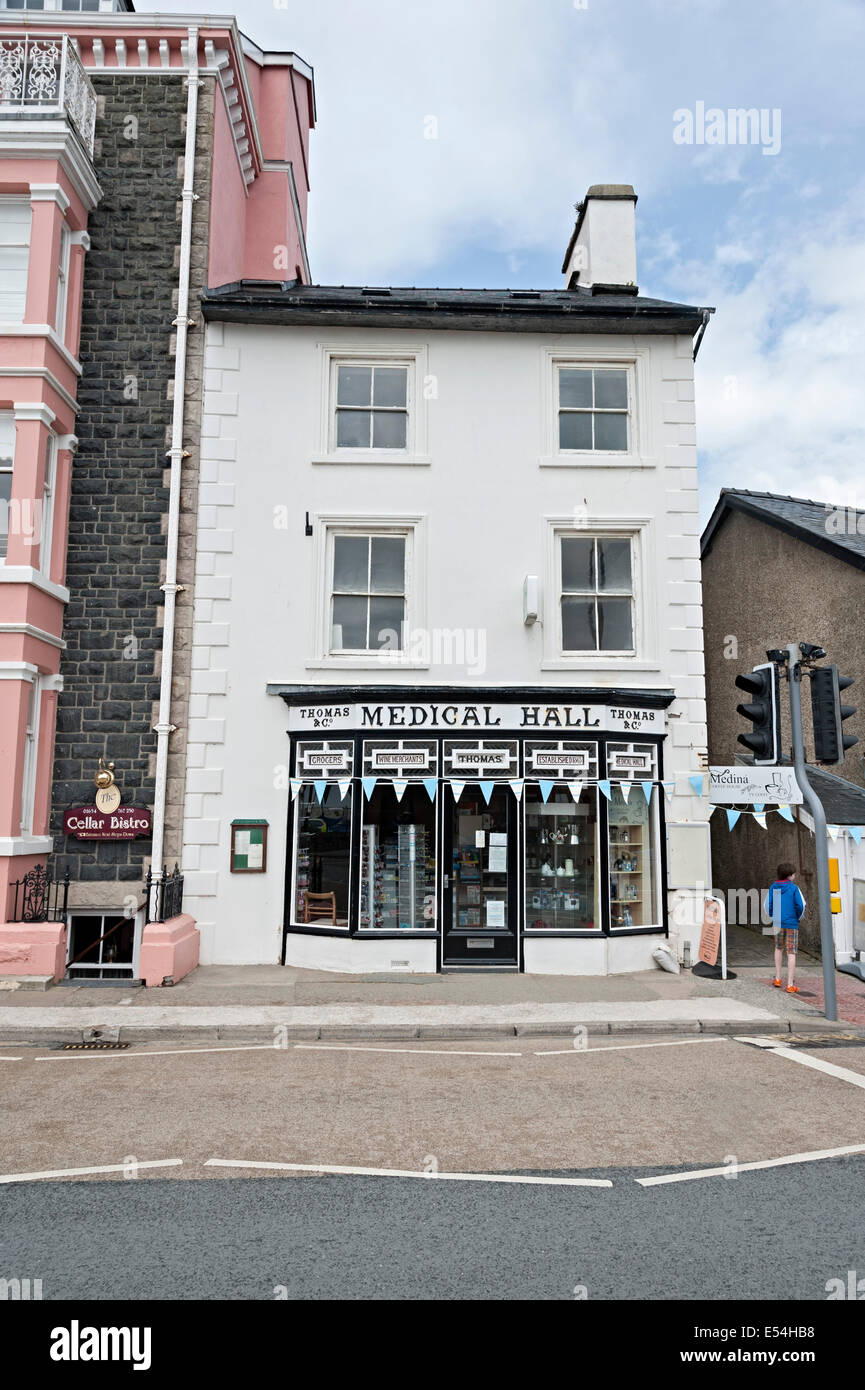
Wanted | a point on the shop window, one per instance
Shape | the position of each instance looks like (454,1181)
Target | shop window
(322,856)
(596,594)
(372,406)
(632,832)
(47,520)
(368,591)
(562,881)
(7,456)
(593,409)
(398,864)
(14,258)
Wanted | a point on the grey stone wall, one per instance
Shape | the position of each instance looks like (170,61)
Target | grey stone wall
(117,543)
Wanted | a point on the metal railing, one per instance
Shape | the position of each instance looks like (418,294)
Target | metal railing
(44,73)
(40,897)
(164,893)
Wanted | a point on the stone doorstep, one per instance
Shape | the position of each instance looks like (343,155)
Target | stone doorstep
(207,1035)
(26,982)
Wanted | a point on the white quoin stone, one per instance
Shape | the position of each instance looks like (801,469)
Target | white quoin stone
(603,248)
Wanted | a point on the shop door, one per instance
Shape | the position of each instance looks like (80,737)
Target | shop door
(480,878)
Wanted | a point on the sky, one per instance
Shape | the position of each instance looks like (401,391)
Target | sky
(455,137)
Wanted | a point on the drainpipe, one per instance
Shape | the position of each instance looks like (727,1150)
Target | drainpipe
(163,727)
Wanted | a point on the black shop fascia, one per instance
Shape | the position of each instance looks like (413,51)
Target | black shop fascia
(480,818)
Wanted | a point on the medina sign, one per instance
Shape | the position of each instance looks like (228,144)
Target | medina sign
(772,786)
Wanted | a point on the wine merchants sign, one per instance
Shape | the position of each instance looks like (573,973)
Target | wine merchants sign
(425,716)
(89,823)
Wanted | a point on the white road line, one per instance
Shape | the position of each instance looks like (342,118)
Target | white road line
(405,1173)
(854,1078)
(84,1172)
(627,1047)
(750,1167)
(10,1059)
(425,1051)
(162,1052)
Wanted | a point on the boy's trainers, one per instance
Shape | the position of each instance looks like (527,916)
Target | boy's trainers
(777,984)
(792,989)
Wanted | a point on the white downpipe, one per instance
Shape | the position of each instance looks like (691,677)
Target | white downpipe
(163,727)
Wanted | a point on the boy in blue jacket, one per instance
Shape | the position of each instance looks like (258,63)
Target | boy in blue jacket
(785,905)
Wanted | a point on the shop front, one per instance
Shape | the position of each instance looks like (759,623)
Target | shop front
(496,835)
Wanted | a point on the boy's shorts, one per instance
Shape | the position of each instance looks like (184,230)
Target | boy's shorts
(787,936)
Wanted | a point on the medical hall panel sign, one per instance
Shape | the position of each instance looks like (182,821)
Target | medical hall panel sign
(444,716)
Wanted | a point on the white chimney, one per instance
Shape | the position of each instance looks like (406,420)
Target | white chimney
(603,249)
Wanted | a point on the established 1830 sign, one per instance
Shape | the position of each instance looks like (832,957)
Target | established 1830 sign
(107,819)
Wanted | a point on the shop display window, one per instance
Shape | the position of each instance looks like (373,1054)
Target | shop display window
(323,856)
(561,861)
(632,840)
(397,871)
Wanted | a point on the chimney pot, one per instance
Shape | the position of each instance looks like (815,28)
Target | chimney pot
(603,249)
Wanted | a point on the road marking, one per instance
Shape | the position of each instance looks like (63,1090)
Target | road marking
(750,1167)
(85,1172)
(405,1173)
(162,1052)
(10,1059)
(627,1047)
(854,1078)
(425,1051)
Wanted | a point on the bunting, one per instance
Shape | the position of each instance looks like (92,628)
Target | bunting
(855,833)
(320,788)
(516,786)
(295,783)
(669,789)
(786,813)
(625,789)
(399,786)
(604,784)
(732,817)
(546,787)
(647,792)
(760,818)
(487,789)
(431,784)
(575,787)
(343,783)
(697,783)
(368,786)
(457,788)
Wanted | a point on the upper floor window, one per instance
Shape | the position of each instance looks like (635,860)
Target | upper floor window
(371,406)
(62,282)
(7,455)
(368,591)
(597,594)
(593,409)
(14,258)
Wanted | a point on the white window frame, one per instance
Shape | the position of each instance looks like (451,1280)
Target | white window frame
(49,487)
(63,282)
(10,469)
(31,756)
(22,200)
(643,656)
(326,528)
(640,452)
(414,359)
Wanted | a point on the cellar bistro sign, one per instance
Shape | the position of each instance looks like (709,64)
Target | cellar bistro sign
(591,718)
(89,823)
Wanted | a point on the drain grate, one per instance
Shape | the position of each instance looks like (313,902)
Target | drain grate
(90,1047)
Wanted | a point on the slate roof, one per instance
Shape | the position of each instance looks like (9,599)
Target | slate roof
(843,802)
(797,516)
(599,310)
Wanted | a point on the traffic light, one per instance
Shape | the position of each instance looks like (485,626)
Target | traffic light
(828,714)
(764,711)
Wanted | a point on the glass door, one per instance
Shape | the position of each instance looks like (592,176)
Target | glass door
(480,875)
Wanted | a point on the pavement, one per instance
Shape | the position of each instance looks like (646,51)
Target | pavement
(267,1002)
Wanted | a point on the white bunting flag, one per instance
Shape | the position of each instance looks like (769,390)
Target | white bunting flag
(399,786)
(576,788)
(296,784)
(625,789)
(516,786)
(457,788)
(343,783)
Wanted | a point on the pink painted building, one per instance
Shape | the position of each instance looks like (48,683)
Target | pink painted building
(143,159)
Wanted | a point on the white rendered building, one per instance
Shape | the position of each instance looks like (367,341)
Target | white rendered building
(447,693)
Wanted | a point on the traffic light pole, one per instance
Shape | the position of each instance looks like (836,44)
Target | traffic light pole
(821,840)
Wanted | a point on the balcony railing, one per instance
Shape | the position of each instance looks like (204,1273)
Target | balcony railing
(164,894)
(44,73)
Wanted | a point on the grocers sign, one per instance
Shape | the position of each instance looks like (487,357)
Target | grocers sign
(89,823)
